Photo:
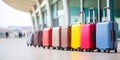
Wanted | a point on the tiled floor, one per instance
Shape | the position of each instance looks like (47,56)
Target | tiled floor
(16,49)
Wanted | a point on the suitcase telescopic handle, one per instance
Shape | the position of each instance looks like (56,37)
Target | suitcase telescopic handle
(104,13)
(82,12)
(93,18)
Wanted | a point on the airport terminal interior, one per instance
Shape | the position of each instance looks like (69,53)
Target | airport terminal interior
(55,14)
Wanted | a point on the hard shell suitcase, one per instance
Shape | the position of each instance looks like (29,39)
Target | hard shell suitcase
(76,36)
(88,34)
(40,38)
(106,36)
(56,39)
(47,37)
(88,37)
(36,39)
(66,37)
(30,40)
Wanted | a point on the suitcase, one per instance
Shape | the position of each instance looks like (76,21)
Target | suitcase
(66,37)
(40,38)
(56,40)
(36,39)
(106,36)
(76,36)
(88,35)
(30,40)
(88,39)
(47,37)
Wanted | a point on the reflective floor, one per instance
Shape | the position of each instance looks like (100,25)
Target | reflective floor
(16,49)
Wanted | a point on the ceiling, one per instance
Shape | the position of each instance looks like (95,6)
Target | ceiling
(23,5)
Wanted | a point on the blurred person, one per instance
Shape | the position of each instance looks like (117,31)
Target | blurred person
(6,34)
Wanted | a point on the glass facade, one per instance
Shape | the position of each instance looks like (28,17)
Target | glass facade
(44,13)
(117,14)
(74,10)
(38,20)
(57,13)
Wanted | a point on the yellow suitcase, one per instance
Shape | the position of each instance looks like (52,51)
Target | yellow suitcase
(76,36)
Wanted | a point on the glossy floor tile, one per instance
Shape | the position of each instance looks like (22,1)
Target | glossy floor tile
(16,49)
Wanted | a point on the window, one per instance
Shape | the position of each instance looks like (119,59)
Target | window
(44,18)
(74,7)
(57,12)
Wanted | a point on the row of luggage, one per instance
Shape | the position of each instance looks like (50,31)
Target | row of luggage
(82,37)
(101,36)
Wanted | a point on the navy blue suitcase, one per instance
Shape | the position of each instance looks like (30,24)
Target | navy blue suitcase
(106,36)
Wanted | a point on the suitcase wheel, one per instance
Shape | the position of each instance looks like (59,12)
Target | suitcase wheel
(98,50)
(62,48)
(34,45)
(104,50)
(88,50)
(48,47)
(115,50)
(39,45)
(27,44)
(108,51)
(44,47)
(68,49)
(30,44)
(81,50)
(59,48)
(72,49)
(54,47)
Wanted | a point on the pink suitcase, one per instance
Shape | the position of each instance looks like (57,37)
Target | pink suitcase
(56,40)
(66,37)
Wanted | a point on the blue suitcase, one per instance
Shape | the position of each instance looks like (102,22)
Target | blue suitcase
(106,36)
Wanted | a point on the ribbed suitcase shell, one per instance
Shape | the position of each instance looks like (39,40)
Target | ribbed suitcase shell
(56,40)
(40,38)
(36,38)
(103,35)
(76,36)
(88,36)
(47,37)
(66,36)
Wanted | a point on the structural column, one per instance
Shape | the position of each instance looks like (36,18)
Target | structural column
(32,24)
(110,10)
(40,14)
(49,15)
(66,12)
(35,19)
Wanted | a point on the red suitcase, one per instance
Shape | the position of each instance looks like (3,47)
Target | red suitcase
(66,37)
(47,37)
(88,35)
(88,39)
(40,38)
(36,38)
